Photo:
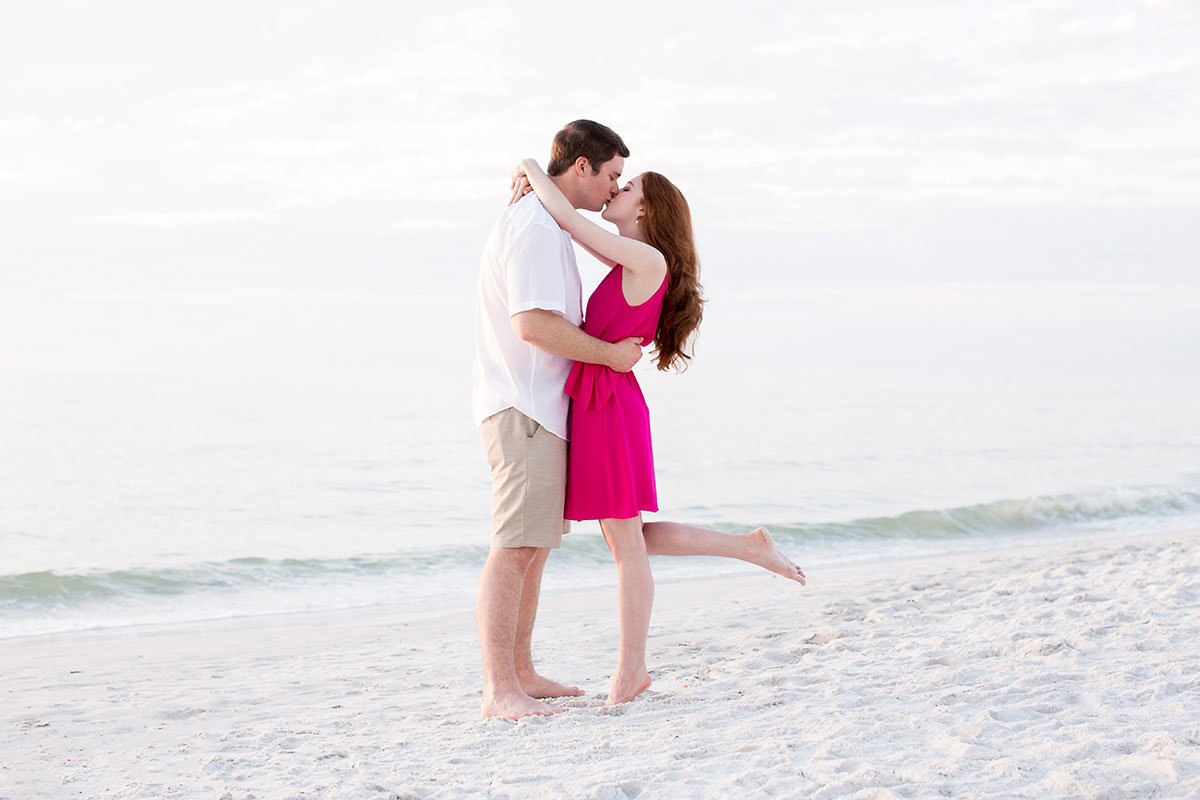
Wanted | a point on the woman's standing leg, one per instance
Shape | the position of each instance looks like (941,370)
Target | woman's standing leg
(756,547)
(635,588)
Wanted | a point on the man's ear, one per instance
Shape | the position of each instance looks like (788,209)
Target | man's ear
(582,167)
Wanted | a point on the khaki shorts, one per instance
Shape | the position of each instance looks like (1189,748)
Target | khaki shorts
(529,481)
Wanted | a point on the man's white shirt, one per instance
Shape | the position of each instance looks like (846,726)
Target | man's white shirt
(528,263)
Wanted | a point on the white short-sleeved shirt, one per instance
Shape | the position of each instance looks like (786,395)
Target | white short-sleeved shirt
(528,263)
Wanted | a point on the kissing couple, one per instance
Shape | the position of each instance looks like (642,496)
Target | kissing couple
(545,372)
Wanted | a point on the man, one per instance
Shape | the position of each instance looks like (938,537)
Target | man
(529,307)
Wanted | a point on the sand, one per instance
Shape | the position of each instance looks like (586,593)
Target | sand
(1052,670)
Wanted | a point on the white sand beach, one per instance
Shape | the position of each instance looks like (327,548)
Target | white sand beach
(1061,670)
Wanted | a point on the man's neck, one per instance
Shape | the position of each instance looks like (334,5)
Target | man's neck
(567,187)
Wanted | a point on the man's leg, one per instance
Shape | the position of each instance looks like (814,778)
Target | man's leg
(497,609)
(531,682)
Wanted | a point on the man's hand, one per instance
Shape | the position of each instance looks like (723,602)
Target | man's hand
(625,354)
(553,334)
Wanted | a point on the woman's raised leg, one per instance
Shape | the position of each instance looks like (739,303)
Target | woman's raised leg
(635,590)
(756,547)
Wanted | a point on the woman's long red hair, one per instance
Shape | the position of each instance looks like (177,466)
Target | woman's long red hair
(666,225)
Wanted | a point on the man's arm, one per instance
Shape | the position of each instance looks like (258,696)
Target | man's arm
(547,331)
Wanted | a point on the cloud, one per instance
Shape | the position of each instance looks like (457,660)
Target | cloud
(382,122)
(19,124)
(263,297)
(178,219)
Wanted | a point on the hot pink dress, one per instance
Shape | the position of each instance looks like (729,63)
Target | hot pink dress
(610,463)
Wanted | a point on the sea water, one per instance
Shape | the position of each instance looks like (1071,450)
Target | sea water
(345,471)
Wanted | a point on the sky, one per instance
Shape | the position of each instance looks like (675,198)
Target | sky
(167,167)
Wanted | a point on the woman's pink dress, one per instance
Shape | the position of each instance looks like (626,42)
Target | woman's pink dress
(610,463)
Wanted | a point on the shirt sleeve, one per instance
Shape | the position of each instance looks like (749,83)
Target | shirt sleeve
(533,272)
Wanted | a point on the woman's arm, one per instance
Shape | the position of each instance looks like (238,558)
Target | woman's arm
(637,257)
(521,187)
(605,260)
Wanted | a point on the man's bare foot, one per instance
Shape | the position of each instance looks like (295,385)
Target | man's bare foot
(623,690)
(516,706)
(535,685)
(767,555)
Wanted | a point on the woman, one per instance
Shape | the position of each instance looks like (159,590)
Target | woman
(651,291)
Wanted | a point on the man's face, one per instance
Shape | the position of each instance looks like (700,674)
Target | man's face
(597,189)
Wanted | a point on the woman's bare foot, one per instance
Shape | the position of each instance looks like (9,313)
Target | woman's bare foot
(516,706)
(535,685)
(767,555)
(623,690)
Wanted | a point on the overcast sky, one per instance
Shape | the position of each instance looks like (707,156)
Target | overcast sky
(168,153)
(149,145)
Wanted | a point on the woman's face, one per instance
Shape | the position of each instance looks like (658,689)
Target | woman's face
(626,207)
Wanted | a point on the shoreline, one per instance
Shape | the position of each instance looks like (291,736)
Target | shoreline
(1058,669)
(385,614)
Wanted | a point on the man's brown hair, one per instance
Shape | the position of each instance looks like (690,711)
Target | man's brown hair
(595,142)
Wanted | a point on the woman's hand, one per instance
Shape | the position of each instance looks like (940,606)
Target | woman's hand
(519,184)
(521,188)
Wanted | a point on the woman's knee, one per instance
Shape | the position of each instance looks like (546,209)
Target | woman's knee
(624,548)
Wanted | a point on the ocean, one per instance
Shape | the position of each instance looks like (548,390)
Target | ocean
(333,464)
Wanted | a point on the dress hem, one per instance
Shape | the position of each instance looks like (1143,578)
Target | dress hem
(652,510)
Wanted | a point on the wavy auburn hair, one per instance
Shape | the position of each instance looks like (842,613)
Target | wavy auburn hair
(666,225)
